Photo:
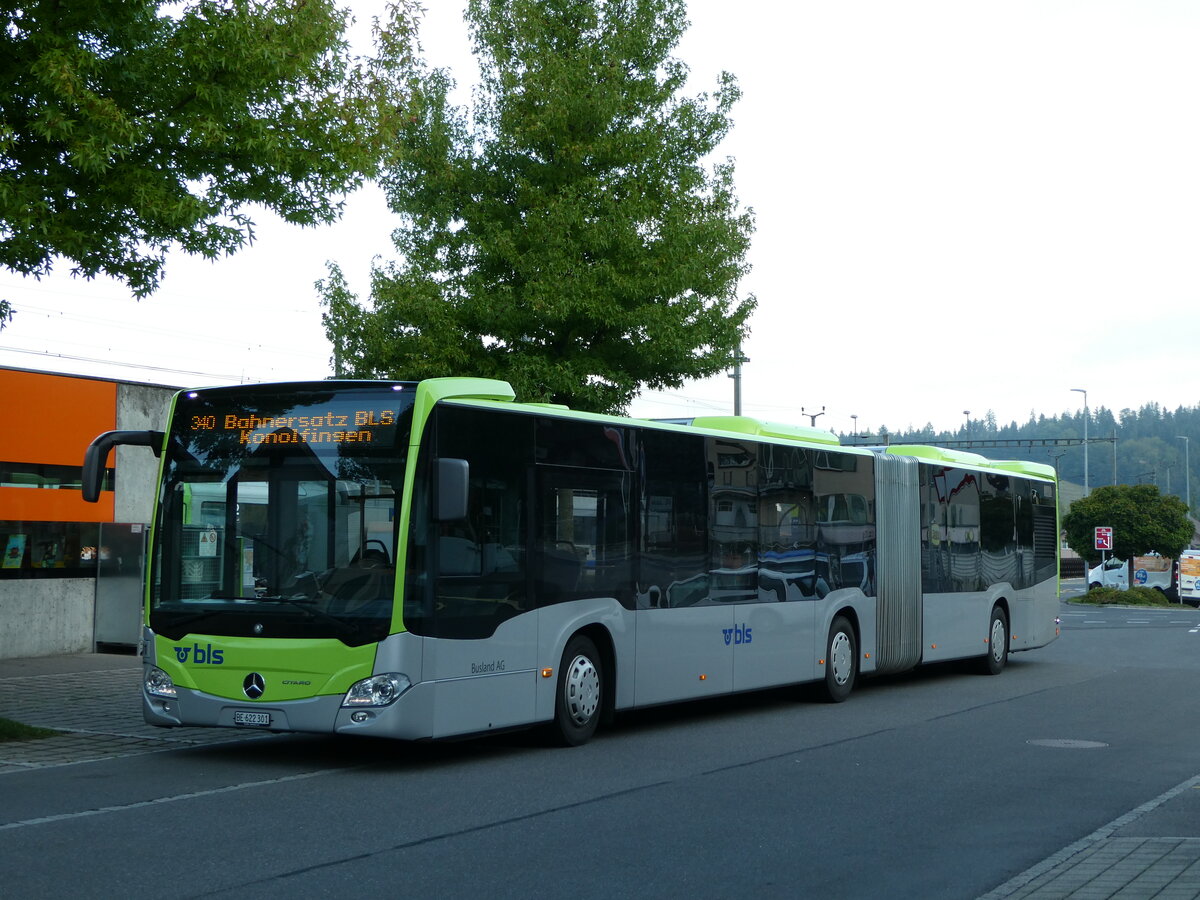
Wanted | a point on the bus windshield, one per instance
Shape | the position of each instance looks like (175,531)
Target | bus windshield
(278,512)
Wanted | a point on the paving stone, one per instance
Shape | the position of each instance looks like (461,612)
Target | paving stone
(98,715)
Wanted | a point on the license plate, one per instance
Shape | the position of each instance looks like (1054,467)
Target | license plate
(240,717)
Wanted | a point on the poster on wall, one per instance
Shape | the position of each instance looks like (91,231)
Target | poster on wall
(14,553)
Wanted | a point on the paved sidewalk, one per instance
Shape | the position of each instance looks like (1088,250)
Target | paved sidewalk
(94,699)
(1150,853)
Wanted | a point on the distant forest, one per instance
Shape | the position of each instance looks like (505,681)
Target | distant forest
(1148,447)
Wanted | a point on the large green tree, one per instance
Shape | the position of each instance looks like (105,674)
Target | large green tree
(570,234)
(130,126)
(1143,520)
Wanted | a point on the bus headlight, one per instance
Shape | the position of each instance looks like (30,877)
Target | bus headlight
(159,684)
(378,690)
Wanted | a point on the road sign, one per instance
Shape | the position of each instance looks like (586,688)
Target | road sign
(1104,539)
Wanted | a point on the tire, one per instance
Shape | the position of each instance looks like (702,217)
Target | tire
(841,661)
(997,652)
(579,696)
(1094,585)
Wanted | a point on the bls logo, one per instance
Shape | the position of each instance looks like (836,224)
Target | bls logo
(201,656)
(738,634)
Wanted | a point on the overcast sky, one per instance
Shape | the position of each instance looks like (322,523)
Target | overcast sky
(960,206)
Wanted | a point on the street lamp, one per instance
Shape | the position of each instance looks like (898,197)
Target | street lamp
(812,417)
(1086,415)
(854,419)
(1187,471)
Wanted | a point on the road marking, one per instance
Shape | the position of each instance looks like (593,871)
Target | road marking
(141,804)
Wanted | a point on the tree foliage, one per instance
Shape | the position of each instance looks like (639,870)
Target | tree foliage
(1143,520)
(128,127)
(566,235)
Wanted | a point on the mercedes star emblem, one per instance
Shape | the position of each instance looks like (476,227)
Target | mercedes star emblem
(253,686)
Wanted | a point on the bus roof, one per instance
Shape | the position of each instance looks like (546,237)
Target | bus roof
(973,460)
(490,391)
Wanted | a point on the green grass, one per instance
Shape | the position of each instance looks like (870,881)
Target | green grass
(1135,596)
(15,731)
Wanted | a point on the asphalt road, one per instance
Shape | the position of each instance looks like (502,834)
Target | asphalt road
(937,784)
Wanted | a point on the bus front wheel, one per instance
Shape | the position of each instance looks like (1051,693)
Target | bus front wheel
(841,661)
(578,701)
(997,655)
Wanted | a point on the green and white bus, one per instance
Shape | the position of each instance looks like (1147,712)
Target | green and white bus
(434,559)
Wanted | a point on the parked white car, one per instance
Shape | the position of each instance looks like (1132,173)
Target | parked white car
(1152,571)
(1189,577)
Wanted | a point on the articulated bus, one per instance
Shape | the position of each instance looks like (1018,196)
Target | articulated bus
(434,559)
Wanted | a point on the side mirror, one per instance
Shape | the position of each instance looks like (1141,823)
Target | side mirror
(97,455)
(453,485)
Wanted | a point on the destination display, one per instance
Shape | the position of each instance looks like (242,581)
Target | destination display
(222,418)
(359,425)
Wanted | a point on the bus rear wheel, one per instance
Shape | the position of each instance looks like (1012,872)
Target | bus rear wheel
(579,697)
(997,655)
(841,661)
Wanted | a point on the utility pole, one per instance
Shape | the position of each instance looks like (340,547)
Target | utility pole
(1114,443)
(1057,457)
(1187,470)
(736,375)
(1086,415)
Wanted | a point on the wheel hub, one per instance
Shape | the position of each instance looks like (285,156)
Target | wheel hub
(997,640)
(581,690)
(839,657)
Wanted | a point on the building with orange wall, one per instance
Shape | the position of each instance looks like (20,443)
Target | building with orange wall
(49,420)
(58,551)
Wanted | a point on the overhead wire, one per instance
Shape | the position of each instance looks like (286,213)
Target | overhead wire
(21,307)
(179,338)
(106,362)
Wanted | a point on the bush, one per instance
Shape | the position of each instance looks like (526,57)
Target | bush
(1135,596)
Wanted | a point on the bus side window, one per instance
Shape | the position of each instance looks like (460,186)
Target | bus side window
(733,515)
(787,556)
(583,545)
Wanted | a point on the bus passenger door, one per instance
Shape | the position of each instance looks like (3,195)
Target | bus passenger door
(481,625)
(685,631)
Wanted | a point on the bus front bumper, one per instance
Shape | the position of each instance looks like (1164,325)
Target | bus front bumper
(407,718)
